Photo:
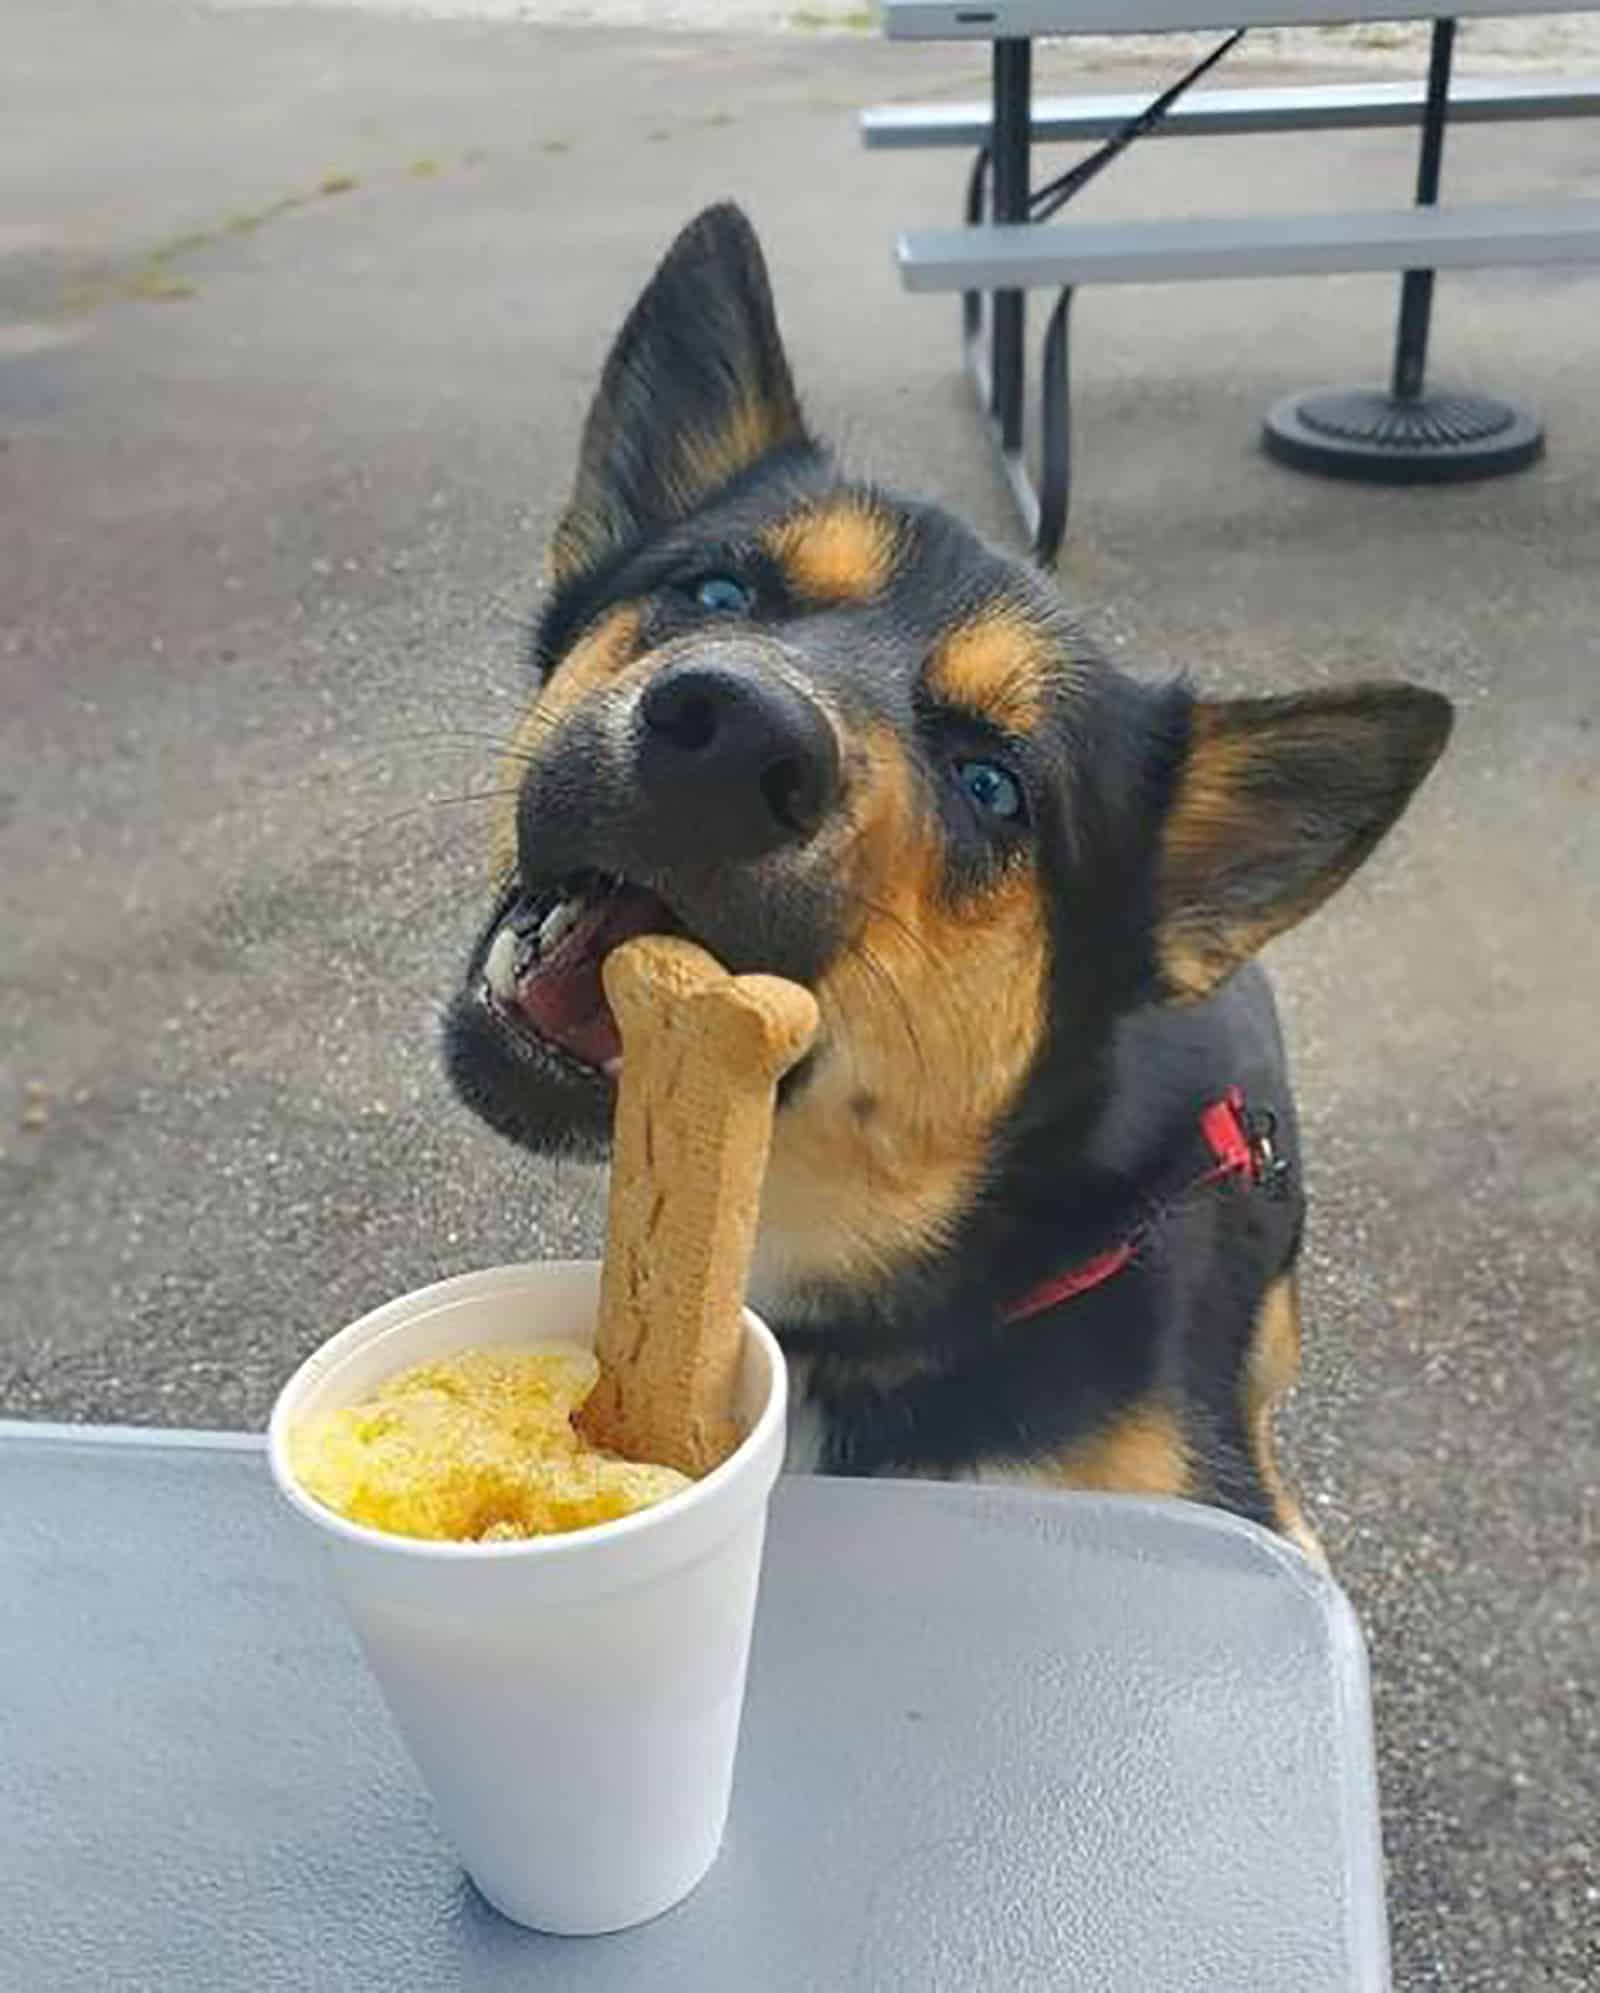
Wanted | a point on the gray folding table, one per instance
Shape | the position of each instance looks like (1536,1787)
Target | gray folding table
(997,1742)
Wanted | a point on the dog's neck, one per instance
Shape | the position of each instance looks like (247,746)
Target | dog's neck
(871,1238)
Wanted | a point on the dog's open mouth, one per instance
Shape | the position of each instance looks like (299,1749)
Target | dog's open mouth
(542,970)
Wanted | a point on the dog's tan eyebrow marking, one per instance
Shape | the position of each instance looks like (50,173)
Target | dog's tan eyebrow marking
(842,551)
(997,666)
(600,655)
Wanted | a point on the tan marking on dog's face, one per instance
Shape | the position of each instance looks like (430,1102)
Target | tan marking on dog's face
(997,667)
(844,551)
(1270,1372)
(595,662)
(936,1012)
(1142,1452)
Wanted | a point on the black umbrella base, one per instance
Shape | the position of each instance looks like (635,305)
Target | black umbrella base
(1371,435)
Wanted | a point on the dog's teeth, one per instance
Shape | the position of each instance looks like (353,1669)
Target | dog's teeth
(500,966)
(611,1068)
(555,924)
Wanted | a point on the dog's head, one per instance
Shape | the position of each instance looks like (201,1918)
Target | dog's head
(829,733)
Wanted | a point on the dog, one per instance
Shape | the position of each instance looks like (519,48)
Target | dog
(1034,1206)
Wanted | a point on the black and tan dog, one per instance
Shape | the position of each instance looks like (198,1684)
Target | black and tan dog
(1024,1218)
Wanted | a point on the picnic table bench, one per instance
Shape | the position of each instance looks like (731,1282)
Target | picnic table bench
(996,1742)
(1402,433)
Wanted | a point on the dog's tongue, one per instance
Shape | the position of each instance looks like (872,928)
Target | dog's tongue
(561,995)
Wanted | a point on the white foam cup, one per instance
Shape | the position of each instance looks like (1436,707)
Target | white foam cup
(572,1702)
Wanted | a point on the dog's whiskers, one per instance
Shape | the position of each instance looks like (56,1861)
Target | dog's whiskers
(448,740)
(436,803)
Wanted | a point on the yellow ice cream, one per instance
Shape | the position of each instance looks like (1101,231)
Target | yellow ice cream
(478,1447)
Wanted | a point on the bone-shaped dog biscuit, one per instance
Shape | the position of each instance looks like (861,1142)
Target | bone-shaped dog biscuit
(702,1054)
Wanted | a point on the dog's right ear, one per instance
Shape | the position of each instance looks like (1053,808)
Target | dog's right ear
(696,390)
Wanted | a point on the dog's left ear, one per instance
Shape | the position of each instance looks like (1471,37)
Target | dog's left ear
(1276,803)
(695,391)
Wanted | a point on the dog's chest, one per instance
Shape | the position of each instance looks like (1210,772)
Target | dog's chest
(807,1425)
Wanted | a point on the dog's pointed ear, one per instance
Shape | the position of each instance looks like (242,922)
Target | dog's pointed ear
(1275,804)
(695,391)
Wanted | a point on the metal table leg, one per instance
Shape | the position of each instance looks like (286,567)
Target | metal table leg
(1406,435)
(997,361)
(1055,434)
(1013,112)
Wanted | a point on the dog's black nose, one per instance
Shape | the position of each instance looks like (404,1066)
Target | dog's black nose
(753,760)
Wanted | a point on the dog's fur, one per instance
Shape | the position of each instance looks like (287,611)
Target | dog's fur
(1023,1011)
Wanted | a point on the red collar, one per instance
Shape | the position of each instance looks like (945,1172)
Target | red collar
(1238,1147)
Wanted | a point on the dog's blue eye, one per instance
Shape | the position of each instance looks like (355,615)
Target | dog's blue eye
(991,787)
(722,595)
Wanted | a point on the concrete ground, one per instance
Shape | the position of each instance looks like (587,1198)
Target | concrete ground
(298,312)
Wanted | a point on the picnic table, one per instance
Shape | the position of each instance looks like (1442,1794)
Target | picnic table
(996,1742)
(1399,433)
